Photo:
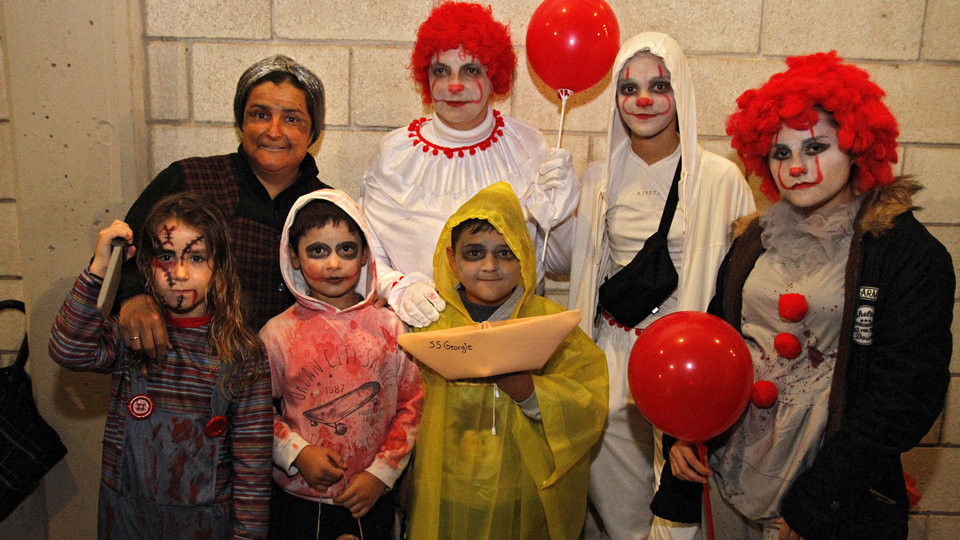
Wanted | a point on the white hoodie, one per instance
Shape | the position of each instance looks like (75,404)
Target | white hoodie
(713,193)
(344,382)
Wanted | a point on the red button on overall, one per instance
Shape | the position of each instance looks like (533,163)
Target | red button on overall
(216,426)
(140,406)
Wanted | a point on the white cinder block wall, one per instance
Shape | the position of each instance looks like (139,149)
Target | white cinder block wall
(97,98)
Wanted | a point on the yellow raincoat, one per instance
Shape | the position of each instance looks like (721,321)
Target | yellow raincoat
(482,468)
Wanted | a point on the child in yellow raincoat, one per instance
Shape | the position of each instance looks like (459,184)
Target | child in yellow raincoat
(506,456)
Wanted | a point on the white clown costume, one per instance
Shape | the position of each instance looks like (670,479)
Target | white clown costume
(426,171)
(621,205)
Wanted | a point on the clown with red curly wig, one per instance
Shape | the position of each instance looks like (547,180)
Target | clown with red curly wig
(845,301)
(462,60)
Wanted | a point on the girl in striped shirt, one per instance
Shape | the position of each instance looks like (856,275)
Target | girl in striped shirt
(188,438)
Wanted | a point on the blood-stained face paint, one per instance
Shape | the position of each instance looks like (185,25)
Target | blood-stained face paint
(810,169)
(645,97)
(181,269)
(330,259)
(459,88)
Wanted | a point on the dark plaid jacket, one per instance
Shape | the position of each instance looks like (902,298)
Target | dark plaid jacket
(255,222)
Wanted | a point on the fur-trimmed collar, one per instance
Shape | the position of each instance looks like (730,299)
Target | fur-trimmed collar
(881,207)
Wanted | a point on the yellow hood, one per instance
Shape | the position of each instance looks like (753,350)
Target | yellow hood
(498,205)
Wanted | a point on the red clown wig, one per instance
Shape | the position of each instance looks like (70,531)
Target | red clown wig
(454,24)
(866,129)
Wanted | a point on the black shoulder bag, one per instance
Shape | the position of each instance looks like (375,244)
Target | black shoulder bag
(29,447)
(639,288)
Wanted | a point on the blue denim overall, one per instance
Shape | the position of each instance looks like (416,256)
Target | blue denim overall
(168,477)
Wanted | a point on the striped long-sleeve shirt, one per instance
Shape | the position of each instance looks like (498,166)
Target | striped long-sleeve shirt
(82,340)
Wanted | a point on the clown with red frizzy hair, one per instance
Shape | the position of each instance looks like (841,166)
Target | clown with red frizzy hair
(423,172)
(845,301)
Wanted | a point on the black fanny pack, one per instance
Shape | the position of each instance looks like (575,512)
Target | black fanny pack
(639,288)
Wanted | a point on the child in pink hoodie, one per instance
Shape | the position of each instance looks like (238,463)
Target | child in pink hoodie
(350,399)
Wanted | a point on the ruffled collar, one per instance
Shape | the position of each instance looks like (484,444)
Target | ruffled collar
(434,136)
(808,242)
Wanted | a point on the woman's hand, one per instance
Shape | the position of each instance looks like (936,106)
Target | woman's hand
(142,326)
(686,465)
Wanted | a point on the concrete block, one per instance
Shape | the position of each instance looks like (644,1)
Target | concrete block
(4,111)
(248,19)
(697,25)
(924,99)
(172,143)
(951,413)
(719,81)
(10,264)
(917,527)
(337,20)
(169,84)
(516,14)
(941,527)
(880,29)
(935,169)
(937,470)
(940,38)
(384,92)
(537,104)
(577,145)
(344,156)
(8,179)
(216,67)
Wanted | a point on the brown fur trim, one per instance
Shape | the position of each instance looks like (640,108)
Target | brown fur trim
(740,224)
(885,203)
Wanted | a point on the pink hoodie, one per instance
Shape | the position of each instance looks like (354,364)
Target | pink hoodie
(344,382)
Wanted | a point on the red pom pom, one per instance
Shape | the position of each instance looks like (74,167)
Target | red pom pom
(787,345)
(763,394)
(793,307)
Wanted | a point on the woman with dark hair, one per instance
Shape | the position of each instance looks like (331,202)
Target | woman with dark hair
(424,172)
(278,108)
(845,301)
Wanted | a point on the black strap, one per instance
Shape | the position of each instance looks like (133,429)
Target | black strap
(24,351)
(672,198)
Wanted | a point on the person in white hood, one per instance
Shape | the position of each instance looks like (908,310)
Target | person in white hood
(652,134)
(351,399)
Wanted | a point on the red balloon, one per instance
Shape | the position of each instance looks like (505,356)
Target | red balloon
(691,375)
(571,44)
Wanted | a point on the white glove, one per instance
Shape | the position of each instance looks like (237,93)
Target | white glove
(551,187)
(418,304)
(554,170)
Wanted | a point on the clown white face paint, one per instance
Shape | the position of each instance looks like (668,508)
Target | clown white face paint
(645,99)
(460,88)
(181,269)
(809,168)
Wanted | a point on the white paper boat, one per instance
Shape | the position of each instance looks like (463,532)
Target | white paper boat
(491,348)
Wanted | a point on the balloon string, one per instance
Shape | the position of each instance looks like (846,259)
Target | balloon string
(564,94)
(702,452)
